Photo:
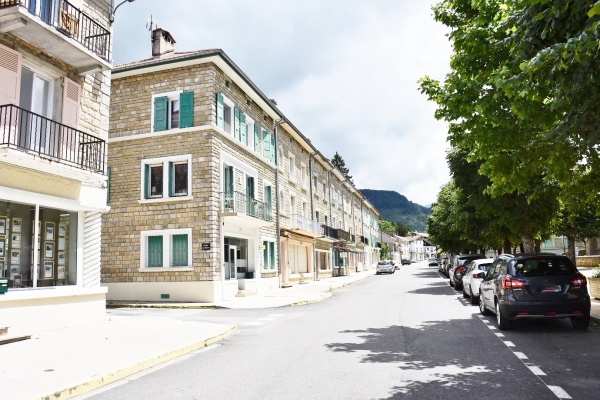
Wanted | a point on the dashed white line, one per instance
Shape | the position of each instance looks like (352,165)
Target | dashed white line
(509,343)
(536,370)
(559,392)
(520,355)
(499,334)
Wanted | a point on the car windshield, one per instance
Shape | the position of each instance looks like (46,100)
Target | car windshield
(546,266)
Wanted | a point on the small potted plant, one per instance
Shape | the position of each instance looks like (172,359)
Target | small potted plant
(594,281)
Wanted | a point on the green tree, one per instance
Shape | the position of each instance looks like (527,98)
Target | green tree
(340,164)
(402,230)
(386,226)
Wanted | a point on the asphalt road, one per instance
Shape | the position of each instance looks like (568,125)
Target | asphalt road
(406,335)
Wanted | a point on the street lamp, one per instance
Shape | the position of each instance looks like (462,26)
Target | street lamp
(114,9)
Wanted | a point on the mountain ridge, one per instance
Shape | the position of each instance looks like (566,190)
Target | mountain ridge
(395,207)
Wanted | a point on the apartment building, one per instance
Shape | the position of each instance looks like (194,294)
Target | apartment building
(210,185)
(54,105)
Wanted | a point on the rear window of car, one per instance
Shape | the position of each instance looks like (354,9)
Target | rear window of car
(484,267)
(542,267)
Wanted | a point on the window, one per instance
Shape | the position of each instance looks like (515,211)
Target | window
(317,216)
(173,110)
(247,130)
(324,189)
(267,190)
(303,175)
(268,254)
(292,166)
(169,248)
(225,113)
(268,146)
(166,178)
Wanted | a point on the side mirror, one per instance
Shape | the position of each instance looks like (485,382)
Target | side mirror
(481,275)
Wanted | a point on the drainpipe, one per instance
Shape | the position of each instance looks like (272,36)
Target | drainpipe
(277,220)
(312,212)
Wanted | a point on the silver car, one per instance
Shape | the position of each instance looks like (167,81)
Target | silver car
(385,267)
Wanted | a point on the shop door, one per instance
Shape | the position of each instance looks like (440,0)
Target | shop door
(297,260)
(36,98)
(231,272)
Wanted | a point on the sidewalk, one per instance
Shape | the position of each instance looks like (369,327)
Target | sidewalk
(69,362)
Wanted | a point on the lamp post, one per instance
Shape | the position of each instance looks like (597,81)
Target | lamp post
(114,9)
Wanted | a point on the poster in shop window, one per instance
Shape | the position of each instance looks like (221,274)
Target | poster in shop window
(1,248)
(15,256)
(17,225)
(2,225)
(49,230)
(61,272)
(16,240)
(49,250)
(48,269)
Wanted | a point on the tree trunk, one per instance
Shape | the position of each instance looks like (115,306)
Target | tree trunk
(592,246)
(527,238)
(507,246)
(571,248)
(538,245)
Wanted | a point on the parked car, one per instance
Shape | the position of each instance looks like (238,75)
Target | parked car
(434,263)
(458,268)
(384,266)
(534,286)
(442,265)
(413,260)
(471,280)
(395,264)
(405,261)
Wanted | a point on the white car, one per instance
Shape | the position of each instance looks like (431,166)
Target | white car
(385,266)
(470,281)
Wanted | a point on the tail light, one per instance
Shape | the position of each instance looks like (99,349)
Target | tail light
(475,275)
(579,281)
(510,283)
(459,270)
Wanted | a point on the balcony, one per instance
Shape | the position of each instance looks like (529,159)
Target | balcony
(238,204)
(364,240)
(305,225)
(60,29)
(31,133)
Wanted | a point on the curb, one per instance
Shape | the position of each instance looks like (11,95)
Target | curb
(110,377)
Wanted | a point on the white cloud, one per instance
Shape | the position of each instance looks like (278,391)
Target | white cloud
(346,76)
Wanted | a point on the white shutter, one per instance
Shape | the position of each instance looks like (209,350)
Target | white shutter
(70,106)
(10,75)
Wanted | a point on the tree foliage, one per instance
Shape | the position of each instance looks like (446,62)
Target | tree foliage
(514,102)
(340,164)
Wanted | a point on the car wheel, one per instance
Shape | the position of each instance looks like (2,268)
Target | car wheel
(503,323)
(451,283)
(457,285)
(482,309)
(465,295)
(376,273)
(580,322)
(474,299)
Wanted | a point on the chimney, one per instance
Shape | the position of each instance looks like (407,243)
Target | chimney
(162,42)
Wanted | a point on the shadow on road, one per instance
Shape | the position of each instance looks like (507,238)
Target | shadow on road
(436,288)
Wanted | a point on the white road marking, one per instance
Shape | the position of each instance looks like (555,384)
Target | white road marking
(559,392)
(509,343)
(499,334)
(520,355)
(536,370)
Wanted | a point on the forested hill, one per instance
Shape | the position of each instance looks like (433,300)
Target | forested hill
(394,207)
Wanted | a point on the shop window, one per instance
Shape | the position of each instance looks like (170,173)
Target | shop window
(268,254)
(37,248)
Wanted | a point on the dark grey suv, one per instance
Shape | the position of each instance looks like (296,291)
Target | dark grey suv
(459,267)
(534,286)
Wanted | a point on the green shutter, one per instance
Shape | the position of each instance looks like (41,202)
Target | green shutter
(146,173)
(273,148)
(236,123)
(256,139)
(268,199)
(243,128)
(186,109)
(107,185)
(160,113)
(266,254)
(180,250)
(266,145)
(155,251)
(220,111)
(170,179)
(272,254)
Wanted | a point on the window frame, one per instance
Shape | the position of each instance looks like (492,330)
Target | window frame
(171,96)
(167,249)
(168,185)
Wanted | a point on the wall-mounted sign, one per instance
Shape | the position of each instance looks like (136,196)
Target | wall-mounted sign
(206,246)
(343,254)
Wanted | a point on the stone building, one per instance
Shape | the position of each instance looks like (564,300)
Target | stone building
(210,184)
(54,105)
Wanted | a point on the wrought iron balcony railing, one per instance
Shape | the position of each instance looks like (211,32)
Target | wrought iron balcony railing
(326,231)
(70,21)
(30,132)
(239,202)
(307,224)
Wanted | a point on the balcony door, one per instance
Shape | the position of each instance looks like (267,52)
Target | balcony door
(36,97)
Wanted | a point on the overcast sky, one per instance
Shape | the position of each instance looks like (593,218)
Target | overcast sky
(343,72)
